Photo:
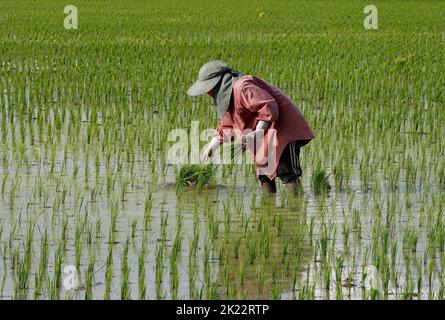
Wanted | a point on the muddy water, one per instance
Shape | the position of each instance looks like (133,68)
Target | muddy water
(232,275)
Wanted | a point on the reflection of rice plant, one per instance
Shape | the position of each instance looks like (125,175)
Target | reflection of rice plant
(195,175)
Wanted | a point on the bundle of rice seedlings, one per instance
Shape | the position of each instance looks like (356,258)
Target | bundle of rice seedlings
(195,176)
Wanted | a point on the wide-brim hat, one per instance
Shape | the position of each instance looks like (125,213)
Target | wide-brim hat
(208,78)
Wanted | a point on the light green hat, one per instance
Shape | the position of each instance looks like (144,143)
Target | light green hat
(219,76)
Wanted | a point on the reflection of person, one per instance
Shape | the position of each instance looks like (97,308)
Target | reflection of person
(247,102)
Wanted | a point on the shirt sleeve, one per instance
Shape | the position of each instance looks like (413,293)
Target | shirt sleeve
(224,131)
(259,101)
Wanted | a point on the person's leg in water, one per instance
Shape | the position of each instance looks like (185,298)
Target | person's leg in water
(289,170)
(268,186)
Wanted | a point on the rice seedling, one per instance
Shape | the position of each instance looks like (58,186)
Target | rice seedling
(274,272)
(276,293)
(284,251)
(142,288)
(251,248)
(134,226)
(159,272)
(410,239)
(227,219)
(55,283)
(89,276)
(41,274)
(320,183)
(242,273)
(108,273)
(213,225)
(259,273)
(279,225)
(125,269)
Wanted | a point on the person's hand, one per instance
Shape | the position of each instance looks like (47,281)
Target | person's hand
(209,150)
(207,154)
(249,139)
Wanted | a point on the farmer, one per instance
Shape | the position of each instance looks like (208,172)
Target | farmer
(267,122)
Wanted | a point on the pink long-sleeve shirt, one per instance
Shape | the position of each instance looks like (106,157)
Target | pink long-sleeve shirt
(255,100)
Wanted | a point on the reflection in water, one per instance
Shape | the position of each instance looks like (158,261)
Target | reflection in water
(260,254)
(220,242)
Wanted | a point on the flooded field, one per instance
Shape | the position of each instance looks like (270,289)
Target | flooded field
(89,207)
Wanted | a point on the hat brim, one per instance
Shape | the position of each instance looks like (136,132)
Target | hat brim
(201,87)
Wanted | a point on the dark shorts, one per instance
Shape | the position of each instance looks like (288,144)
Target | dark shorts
(288,168)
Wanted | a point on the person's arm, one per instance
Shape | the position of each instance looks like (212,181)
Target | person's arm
(262,104)
(259,102)
(210,149)
(262,125)
(222,134)
(225,129)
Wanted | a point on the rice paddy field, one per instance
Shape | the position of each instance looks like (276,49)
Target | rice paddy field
(85,117)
